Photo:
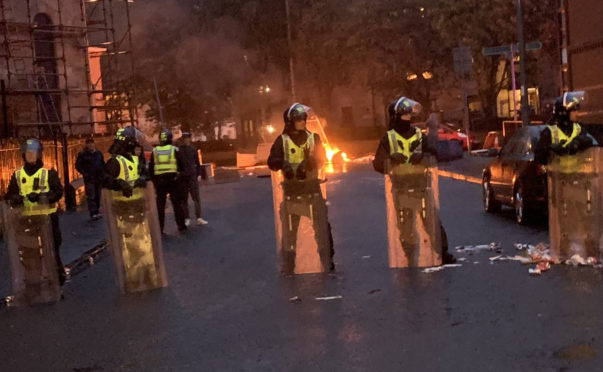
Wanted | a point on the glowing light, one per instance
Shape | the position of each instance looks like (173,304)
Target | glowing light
(270,129)
(427,75)
(411,77)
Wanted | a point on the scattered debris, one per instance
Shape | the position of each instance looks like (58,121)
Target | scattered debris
(461,259)
(478,248)
(364,159)
(372,291)
(366,257)
(295,299)
(439,268)
(576,260)
(329,298)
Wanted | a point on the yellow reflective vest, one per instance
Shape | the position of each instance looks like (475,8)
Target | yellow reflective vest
(128,171)
(164,158)
(557,135)
(26,185)
(295,154)
(401,145)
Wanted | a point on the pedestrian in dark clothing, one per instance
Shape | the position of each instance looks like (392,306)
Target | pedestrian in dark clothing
(189,177)
(90,163)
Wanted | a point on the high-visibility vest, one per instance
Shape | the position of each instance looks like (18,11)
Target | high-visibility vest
(26,187)
(295,154)
(128,171)
(557,135)
(401,145)
(165,159)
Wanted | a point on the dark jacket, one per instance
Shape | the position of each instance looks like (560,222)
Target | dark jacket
(544,145)
(190,162)
(383,151)
(55,188)
(277,153)
(90,165)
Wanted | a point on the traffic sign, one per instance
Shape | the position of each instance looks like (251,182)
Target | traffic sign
(506,49)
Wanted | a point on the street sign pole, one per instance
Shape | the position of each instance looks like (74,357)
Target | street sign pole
(525,113)
(514,82)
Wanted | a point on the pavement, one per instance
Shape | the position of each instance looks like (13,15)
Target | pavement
(228,309)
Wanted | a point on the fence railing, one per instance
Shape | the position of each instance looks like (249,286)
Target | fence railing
(11,159)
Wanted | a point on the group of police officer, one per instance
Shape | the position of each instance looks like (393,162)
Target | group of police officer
(406,157)
(135,210)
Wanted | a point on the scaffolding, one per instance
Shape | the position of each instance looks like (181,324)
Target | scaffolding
(40,63)
(67,69)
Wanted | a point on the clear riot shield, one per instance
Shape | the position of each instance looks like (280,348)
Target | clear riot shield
(30,245)
(135,239)
(303,236)
(413,224)
(575,184)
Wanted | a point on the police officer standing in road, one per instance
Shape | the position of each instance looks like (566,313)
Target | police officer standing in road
(563,136)
(164,167)
(405,144)
(38,189)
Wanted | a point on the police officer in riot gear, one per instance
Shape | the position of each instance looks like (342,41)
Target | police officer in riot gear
(132,224)
(405,144)
(37,190)
(299,154)
(124,171)
(164,167)
(563,136)
(299,160)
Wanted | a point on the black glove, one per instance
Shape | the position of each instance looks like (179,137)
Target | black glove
(16,201)
(33,197)
(398,158)
(141,182)
(414,145)
(573,147)
(558,149)
(288,170)
(416,158)
(126,189)
(301,171)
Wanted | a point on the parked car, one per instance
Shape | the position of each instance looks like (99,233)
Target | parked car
(450,132)
(455,132)
(514,179)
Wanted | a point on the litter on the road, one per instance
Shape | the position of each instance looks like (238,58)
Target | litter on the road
(328,298)
(478,248)
(295,299)
(366,257)
(577,260)
(439,268)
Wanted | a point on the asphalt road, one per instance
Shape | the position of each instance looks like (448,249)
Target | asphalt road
(228,309)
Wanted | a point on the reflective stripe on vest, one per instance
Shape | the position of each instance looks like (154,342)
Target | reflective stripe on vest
(401,145)
(296,154)
(128,169)
(557,135)
(26,187)
(165,160)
